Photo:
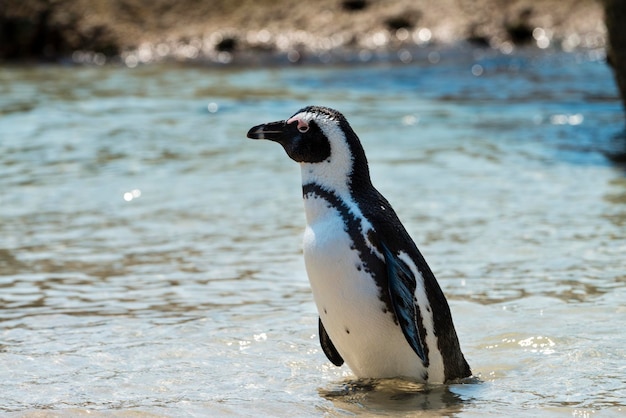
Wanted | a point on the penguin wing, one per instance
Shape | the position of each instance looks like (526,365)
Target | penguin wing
(328,346)
(402,286)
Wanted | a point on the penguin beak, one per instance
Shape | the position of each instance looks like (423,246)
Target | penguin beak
(272,131)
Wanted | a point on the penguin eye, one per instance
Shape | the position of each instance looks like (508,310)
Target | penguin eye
(302,125)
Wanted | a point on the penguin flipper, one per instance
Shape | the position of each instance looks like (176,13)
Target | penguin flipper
(402,285)
(328,346)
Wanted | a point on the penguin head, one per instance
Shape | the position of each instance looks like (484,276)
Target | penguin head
(320,139)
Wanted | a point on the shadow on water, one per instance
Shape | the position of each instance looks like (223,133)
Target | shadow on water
(395,397)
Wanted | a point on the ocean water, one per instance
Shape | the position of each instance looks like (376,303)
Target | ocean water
(150,254)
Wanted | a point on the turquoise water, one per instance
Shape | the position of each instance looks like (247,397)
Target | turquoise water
(150,255)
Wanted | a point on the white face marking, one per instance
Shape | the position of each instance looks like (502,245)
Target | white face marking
(334,173)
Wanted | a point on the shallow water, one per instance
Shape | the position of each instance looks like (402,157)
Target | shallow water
(150,255)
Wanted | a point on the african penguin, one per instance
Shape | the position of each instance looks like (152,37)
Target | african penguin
(381,309)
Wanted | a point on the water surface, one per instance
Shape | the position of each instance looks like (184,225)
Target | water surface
(150,255)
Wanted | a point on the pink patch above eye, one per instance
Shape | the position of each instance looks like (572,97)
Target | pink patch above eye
(302,125)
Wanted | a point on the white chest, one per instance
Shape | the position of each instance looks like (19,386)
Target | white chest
(338,278)
(348,299)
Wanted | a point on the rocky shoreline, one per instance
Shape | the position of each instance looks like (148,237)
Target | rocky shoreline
(283,32)
(261,32)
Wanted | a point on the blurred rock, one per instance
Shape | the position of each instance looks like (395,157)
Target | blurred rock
(353,5)
(615,17)
(49,30)
(520,30)
(225,31)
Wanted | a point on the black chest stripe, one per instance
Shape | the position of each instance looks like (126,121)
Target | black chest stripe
(353,226)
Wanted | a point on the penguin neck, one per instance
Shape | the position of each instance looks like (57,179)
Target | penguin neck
(320,182)
(345,180)
(327,177)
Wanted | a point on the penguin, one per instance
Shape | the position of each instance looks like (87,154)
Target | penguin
(381,310)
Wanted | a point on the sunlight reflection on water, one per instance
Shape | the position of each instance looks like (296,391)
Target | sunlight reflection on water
(150,256)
